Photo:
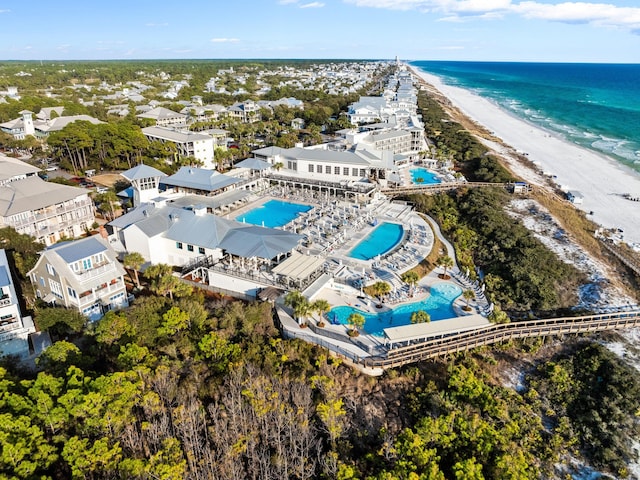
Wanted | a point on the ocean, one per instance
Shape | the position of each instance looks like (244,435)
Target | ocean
(596,106)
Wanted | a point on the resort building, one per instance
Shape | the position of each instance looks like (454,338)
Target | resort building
(165,117)
(83,274)
(199,181)
(12,169)
(199,146)
(48,212)
(14,329)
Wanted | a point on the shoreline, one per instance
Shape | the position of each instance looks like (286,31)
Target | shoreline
(601,180)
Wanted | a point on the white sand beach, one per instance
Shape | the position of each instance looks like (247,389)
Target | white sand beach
(601,180)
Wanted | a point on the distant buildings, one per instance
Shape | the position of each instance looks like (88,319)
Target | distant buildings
(40,127)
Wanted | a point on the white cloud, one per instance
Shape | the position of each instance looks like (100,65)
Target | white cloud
(5,11)
(225,40)
(312,5)
(599,14)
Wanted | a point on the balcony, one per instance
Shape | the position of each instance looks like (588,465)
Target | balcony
(5,301)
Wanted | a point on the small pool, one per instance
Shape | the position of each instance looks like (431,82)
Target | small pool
(422,176)
(274,213)
(382,239)
(439,304)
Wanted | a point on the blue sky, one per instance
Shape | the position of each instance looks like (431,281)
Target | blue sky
(483,30)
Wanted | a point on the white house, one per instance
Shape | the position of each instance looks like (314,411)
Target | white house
(84,275)
(14,329)
(46,211)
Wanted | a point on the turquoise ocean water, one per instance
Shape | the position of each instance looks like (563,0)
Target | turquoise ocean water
(596,106)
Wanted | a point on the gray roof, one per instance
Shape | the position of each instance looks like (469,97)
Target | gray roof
(5,281)
(142,171)
(216,201)
(253,241)
(10,168)
(161,113)
(199,179)
(33,193)
(327,156)
(253,163)
(176,136)
(203,230)
(73,251)
(210,231)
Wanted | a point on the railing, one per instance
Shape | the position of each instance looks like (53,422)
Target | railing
(457,342)
(344,185)
(4,301)
(439,187)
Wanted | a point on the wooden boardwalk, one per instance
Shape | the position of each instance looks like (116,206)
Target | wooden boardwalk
(439,187)
(444,345)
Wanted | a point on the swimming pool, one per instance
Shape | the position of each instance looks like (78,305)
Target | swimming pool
(439,305)
(382,239)
(427,177)
(274,213)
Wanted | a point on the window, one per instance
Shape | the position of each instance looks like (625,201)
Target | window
(310,168)
(56,288)
(42,281)
(179,245)
(201,250)
(327,169)
(72,292)
(345,171)
(319,168)
(190,248)
(50,270)
(354,172)
(336,170)
(363,172)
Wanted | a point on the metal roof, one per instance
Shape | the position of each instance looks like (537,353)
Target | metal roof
(253,163)
(199,179)
(262,242)
(298,266)
(176,136)
(32,193)
(5,281)
(214,202)
(437,327)
(142,171)
(73,251)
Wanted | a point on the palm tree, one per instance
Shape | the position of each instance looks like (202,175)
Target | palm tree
(380,289)
(420,316)
(133,261)
(320,306)
(299,304)
(411,278)
(356,322)
(278,165)
(468,296)
(444,261)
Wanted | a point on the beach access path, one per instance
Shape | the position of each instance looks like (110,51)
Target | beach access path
(602,181)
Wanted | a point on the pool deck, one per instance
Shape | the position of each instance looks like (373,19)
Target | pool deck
(332,228)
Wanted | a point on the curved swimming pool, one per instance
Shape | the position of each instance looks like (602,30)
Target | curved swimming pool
(382,239)
(274,213)
(439,305)
(422,176)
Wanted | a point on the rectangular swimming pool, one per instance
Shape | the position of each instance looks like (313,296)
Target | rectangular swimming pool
(274,213)
(382,239)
